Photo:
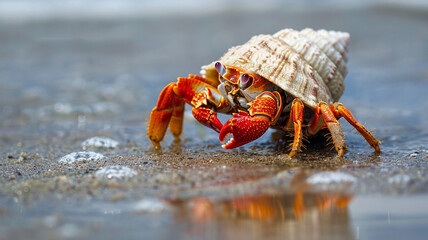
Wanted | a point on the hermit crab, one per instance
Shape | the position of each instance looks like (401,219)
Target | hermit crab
(290,80)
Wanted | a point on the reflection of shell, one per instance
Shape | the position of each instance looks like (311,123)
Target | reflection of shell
(308,64)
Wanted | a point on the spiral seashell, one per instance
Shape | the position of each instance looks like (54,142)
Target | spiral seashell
(308,64)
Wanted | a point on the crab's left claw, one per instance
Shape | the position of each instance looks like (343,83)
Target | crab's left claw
(244,128)
(247,127)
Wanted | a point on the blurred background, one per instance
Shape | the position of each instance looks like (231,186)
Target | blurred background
(72,70)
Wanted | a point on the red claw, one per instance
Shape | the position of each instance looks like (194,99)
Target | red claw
(245,128)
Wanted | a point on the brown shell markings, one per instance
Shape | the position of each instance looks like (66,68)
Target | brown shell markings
(308,64)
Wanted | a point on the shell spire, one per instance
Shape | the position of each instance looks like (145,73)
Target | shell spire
(308,64)
(323,50)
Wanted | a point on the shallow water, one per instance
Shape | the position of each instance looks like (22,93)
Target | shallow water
(244,217)
(66,80)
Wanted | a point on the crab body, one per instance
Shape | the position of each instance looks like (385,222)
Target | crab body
(290,80)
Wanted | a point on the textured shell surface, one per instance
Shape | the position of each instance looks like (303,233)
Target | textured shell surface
(308,64)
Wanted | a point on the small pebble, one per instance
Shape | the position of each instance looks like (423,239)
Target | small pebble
(330,177)
(69,230)
(399,179)
(151,205)
(420,153)
(100,142)
(116,171)
(52,221)
(81,157)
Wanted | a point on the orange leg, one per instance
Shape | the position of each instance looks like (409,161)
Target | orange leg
(328,118)
(176,122)
(340,111)
(168,106)
(296,117)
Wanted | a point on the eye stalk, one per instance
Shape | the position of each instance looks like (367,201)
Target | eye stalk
(220,68)
(245,81)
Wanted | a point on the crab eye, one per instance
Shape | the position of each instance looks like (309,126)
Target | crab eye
(245,81)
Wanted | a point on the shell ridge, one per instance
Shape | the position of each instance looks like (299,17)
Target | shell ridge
(297,80)
(311,53)
(336,84)
(303,47)
(334,42)
(291,57)
(327,47)
(264,43)
(283,62)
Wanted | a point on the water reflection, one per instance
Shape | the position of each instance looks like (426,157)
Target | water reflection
(290,216)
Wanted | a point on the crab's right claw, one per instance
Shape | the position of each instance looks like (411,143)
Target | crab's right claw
(248,126)
(244,128)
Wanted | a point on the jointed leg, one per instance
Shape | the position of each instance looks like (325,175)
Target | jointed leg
(328,119)
(194,90)
(176,122)
(168,111)
(340,111)
(296,117)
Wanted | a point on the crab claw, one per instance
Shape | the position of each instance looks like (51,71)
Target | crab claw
(244,128)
